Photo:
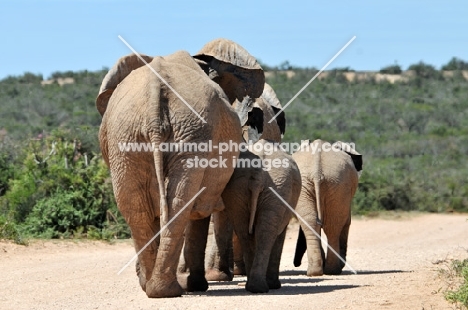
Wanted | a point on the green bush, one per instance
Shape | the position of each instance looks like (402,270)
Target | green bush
(10,231)
(62,191)
(425,71)
(392,69)
(6,168)
(455,64)
(460,295)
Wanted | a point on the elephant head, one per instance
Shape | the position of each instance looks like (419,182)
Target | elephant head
(239,75)
(233,68)
(270,105)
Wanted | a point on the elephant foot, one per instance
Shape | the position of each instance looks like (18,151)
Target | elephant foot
(161,289)
(239,269)
(213,274)
(332,271)
(274,284)
(314,271)
(141,277)
(194,283)
(257,286)
(142,281)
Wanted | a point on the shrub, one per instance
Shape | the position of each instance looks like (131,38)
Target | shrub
(9,231)
(455,64)
(460,295)
(425,71)
(392,69)
(62,191)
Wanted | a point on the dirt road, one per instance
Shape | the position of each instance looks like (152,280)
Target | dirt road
(397,262)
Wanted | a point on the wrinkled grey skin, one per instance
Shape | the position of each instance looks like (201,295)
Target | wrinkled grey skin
(329,182)
(225,258)
(258,216)
(152,187)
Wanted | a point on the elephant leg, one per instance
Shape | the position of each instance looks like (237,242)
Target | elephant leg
(344,242)
(245,242)
(142,234)
(307,210)
(219,266)
(196,235)
(238,257)
(137,207)
(272,275)
(180,190)
(314,249)
(301,247)
(333,264)
(147,258)
(264,241)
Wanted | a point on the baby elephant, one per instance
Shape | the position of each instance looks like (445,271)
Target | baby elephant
(258,215)
(329,180)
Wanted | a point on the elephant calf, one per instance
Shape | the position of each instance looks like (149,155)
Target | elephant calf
(329,182)
(258,216)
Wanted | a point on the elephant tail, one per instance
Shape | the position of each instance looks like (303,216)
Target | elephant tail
(317,178)
(318,201)
(159,132)
(253,209)
(256,186)
(158,165)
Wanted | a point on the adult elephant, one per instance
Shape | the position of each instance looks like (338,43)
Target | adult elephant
(156,188)
(329,181)
(225,257)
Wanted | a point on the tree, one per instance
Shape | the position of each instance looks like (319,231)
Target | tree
(455,64)
(424,70)
(392,69)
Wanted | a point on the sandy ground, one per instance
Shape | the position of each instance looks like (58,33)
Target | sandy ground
(397,262)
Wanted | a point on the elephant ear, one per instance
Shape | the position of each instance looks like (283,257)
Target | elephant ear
(269,96)
(280,120)
(233,68)
(355,156)
(117,74)
(251,117)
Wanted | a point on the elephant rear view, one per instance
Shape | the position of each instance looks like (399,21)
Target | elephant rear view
(329,181)
(148,103)
(259,217)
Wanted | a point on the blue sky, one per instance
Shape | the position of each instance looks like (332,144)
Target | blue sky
(48,36)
